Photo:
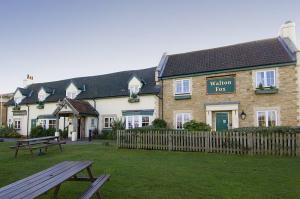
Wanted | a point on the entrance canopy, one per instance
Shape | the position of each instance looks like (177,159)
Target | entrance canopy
(75,107)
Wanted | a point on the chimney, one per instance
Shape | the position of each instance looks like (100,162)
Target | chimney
(28,81)
(288,30)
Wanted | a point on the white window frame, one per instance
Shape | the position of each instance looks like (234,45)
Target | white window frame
(17,124)
(181,92)
(53,125)
(265,78)
(43,123)
(183,114)
(137,121)
(41,97)
(18,100)
(134,89)
(266,112)
(110,121)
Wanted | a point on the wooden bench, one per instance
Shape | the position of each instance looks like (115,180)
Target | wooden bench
(37,143)
(52,179)
(95,188)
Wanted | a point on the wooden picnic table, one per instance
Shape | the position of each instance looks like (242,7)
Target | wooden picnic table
(52,178)
(37,143)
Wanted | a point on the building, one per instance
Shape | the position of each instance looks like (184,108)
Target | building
(3,109)
(86,103)
(248,84)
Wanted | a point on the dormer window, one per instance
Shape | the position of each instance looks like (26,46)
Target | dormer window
(42,95)
(18,97)
(71,95)
(18,100)
(72,91)
(134,89)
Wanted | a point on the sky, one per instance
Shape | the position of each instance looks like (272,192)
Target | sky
(59,39)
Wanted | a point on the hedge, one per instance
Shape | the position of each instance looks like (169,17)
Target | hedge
(8,132)
(275,129)
(41,132)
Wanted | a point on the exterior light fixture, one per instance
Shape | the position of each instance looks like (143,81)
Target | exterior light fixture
(243,115)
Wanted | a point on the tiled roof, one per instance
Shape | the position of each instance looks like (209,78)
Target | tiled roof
(83,107)
(250,54)
(93,87)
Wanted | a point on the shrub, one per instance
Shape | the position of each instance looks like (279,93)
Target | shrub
(118,124)
(196,126)
(9,132)
(159,123)
(64,133)
(39,131)
(275,129)
(107,135)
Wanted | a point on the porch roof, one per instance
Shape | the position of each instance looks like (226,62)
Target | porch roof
(77,107)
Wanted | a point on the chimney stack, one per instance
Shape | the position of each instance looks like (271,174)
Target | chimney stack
(28,81)
(288,30)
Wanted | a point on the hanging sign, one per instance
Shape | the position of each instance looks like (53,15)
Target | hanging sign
(220,85)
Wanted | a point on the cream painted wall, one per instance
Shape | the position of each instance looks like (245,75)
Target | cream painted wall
(109,106)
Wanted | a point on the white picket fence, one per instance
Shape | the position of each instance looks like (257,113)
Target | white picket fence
(281,144)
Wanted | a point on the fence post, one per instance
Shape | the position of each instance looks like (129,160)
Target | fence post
(297,144)
(206,133)
(169,133)
(249,143)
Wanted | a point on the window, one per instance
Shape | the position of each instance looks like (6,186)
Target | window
(52,124)
(71,95)
(17,124)
(92,122)
(265,78)
(145,120)
(182,87)
(43,123)
(41,97)
(267,118)
(134,89)
(108,121)
(136,121)
(182,118)
(17,100)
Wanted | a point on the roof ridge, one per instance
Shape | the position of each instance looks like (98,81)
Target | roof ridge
(226,46)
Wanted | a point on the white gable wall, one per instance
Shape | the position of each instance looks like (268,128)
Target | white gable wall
(72,89)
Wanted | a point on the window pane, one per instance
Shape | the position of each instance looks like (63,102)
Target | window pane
(270,78)
(136,121)
(261,117)
(129,122)
(178,87)
(145,121)
(271,118)
(179,121)
(260,79)
(186,86)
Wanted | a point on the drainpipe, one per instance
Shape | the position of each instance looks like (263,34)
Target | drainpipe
(95,107)
(27,120)
(162,99)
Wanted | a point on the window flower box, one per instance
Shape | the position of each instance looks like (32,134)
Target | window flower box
(182,97)
(270,90)
(16,108)
(133,98)
(40,105)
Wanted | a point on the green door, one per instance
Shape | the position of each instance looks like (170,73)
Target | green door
(221,121)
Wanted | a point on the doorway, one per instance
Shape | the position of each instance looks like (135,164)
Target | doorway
(221,121)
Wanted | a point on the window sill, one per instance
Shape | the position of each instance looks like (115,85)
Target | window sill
(183,97)
(266,91)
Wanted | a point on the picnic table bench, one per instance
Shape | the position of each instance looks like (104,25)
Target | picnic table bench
(37,143)
(52,178)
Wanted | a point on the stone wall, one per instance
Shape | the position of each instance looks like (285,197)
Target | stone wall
(285,101)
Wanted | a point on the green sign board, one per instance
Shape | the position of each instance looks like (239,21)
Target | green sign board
(220,85)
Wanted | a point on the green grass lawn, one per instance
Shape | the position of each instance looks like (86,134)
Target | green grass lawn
(163,174)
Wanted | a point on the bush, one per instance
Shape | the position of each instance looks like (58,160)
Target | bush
(64,134)
(275,129)
(39,131)
(159,123)
(196,126)
(118,124)
(9,132)
(107,135)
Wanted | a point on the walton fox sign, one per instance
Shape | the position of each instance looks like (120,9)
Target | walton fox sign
(220,85)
